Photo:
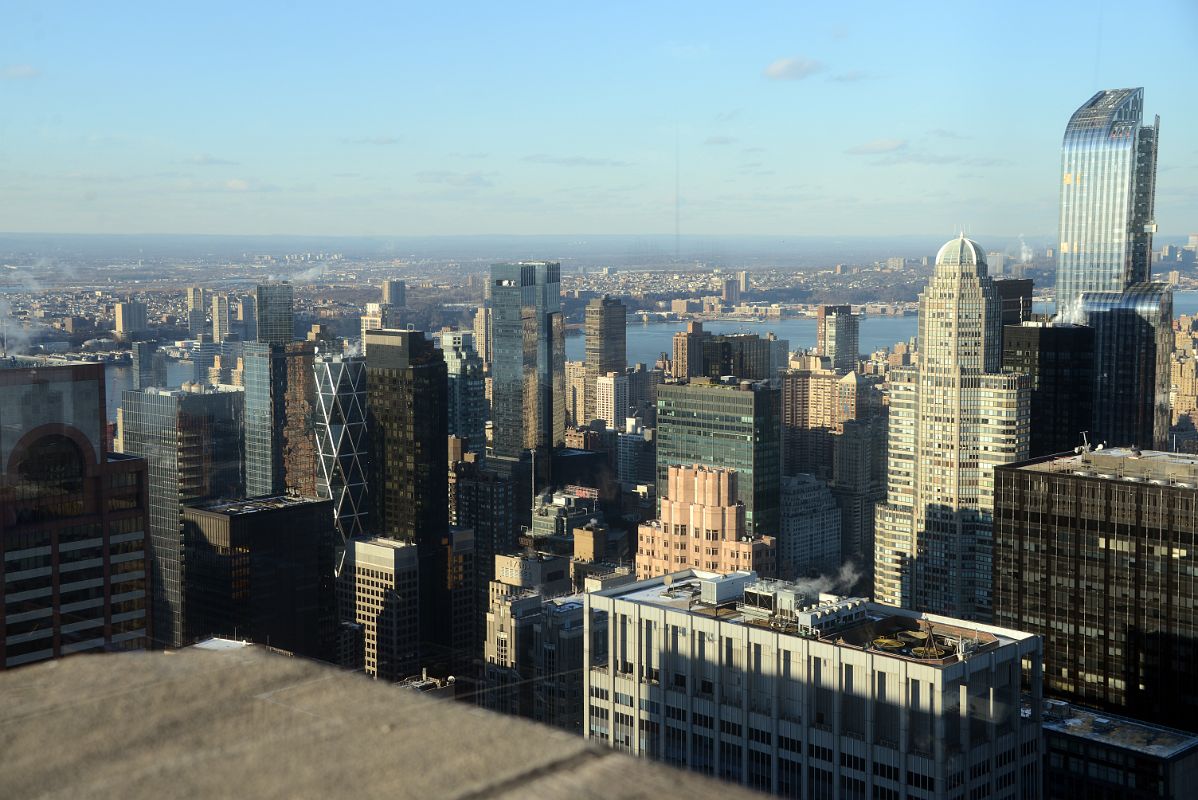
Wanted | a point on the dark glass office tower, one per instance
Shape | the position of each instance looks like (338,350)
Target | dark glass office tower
(1108,185)
(149,365)
(1133,341)
(606,328)
(191,441)
(72,521)
(528,398)
(406,420)
(1097,552)
(262,570)
(1059,359)
(737,425)
(280,411)
(275,310)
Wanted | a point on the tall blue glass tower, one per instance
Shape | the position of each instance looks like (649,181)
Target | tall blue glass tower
(1108,182)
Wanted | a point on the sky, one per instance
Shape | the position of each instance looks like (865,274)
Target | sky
(406,118)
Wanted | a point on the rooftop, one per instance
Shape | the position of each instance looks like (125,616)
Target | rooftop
(256,505)
(1108,729)
(1122,463)
(244,722)
(794,609)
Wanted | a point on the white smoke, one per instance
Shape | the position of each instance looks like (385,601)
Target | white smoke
(310,275)
(844,580)
(1025,252)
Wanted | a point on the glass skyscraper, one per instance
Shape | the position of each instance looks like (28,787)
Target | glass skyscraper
(342,445)
(736,425)
(1108,181)
(606,329)
(528,364)
(467,395)
(275,313)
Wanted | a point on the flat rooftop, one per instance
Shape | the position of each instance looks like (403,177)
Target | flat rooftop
(1123,463)
(245,722)
(1109,729)
(894,632)
(256,505)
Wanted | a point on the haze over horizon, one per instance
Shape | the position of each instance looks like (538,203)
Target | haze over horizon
(780,121)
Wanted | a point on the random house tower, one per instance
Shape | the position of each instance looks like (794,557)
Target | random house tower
(953,418)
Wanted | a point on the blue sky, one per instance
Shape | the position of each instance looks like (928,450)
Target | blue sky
(562,118)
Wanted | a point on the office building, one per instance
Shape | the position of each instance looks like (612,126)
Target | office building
(197,311)
(1096,754)
(1108,187)
(837,334)
(1094,551)
(687,352)
(395,293)
(280,409)
(636,453)
(809,535)
(1015,300)
(482,500)
(743,281)
(191,442)
(247,318)
(203,358)
(605,325)
(262,570)
(274,307)
(730,291)
(611,399)
(73,529)
(130,320)
(759,683)
(406,420)
(533,647)
(379,604)
(953,419)
(642,392)
(482,336)
(555,515)
(736,425)
(378,316)
(576,393)
(1059,361)
(467,410)
(528,361)
(149,365)
(221,321)
(1133,341)
(701,525)
(342,441)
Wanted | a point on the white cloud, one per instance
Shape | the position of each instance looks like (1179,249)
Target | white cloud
(794,68)
(19,72)
(877,146)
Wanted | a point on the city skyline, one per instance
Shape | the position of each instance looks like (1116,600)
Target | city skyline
(777,121)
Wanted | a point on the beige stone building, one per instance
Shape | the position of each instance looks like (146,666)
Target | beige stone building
(701,525)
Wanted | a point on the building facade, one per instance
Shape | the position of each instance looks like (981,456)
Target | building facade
(467,412)
(378,599)
(1108,188)
(837,335)
(1095,552)
(191,442)
(342,443)
(1059,361)
(701,525)
(809,536)
(221,321)
(275,313)
(605,326)
(73,530)
(611,399)
(736,425)
(805,696)
(953,419)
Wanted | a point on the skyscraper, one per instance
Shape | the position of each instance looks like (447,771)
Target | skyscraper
(1094,552)
(280,403)
(687,361)
(197,313)
(611,399)
(191,441)
(837,331)
(395,293)
(482,335)
(220,318)
(130,320)
(1108,184)
(406,420)
(606,327)
(73,527)
(275,309)
(528,361)
(1059,361)
(378,316)
(379,605)
(247,318)
(342,444)
(149,365)
(467,410)
(262,570)
(952,420)
(736,425)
